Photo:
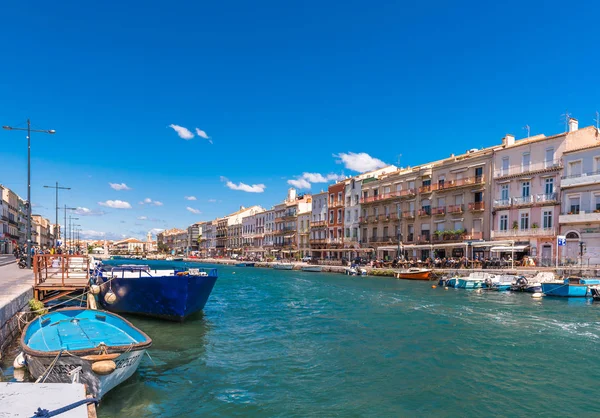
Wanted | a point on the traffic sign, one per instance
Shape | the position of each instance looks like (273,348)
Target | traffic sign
(561,240)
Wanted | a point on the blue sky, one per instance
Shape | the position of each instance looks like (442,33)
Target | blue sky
(281,88)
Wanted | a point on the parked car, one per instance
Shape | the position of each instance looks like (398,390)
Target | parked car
(307,259)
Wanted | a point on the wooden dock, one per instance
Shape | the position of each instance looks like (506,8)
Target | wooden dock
(23,399)
(57,275)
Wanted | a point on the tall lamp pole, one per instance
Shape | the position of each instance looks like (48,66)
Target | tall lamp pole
(29,131)
(56,238)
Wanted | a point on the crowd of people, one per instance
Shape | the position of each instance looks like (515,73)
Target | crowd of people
(19,252)
(454,262)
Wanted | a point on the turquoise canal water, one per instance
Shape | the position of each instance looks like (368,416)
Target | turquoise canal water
(287,343)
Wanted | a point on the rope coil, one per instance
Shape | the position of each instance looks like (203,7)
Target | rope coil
(44,413)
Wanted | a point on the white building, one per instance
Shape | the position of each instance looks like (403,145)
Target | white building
(318,224)
(269,229)
(303,233)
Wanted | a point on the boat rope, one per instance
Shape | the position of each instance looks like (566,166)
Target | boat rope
(49,369)
(44,413)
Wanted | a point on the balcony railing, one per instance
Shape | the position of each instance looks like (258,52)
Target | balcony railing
(528,168)
(425,189)
(476,206)
(446,237)
(425,212)
(317,240)
(549,197)
(336,203)
(407,192)
(378,198)
(522,200)
(502,203)
(439,211)
(318,224)
(453,184)
(350,239)
(592,216)
(410,238)
(362,220)
(424,239)
(580,179)
(334,240)
(456,209)
(394,216)
(530,232)
(409,214)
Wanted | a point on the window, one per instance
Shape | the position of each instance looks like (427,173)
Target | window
(354,232)
(547,219)
(458,199)
(574,203)
(411,206)
(411,184)
(549,186)
(386,190)
(525,161)
(597,202)
(398,209)
(575,169)
(504,192)
(364,235)
(331,198)
(374,236)
(478,174)
(376,211)
(524,221)
(398,187)
(478,197)
(387,210)
(348,216)
(525,189)
(596,165)
(385,232)
(503,223)
(355,199)
(339,216)
(441,202)
(441,181)
(330,216)
(476,225)
(549,158)
(355,215)
(458,225)
(375,192)
(339,199)
(365,194)
(426,182)
(347,232)
(505,166)
(440,226)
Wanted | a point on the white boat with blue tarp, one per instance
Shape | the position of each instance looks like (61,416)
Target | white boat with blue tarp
(97,348)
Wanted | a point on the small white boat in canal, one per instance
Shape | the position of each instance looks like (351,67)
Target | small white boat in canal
(283,266)
(313,269)
(355,271)
(101,348)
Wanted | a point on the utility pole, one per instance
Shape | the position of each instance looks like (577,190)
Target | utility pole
(56,225)
(66,229)
(528,129)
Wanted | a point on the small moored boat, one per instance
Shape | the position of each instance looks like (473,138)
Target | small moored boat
(167,294)
(283,266)
(244,265)
(571,287)
(103,348)
(313,269)
(595,290)
(414,273)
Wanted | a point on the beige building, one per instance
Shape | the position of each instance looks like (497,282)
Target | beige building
(128,246)
(41,232)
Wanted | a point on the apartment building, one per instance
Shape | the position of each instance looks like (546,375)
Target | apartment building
(335,219)
(303,234)
(285,234)
(526,188)
(269,229)
(579,217)
(318,225)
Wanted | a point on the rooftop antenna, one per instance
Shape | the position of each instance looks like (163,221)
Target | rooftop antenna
(597,120)
(400,156)
(567,116)
(528,129)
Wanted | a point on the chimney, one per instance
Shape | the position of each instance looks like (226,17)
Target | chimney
(291,194)
(508,140)
(573,125)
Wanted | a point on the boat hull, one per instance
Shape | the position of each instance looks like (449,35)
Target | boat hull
(167,297)
(468,284)
(422,275)
(283,266)
(244,265)
(595,293)
(126,365)
(312,269)
(565,290)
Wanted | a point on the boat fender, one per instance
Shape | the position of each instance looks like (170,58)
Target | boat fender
(110,297)
(20,361)
(100,357)
(95,289)
(537,295)
(433,286)
(104,367)
(446,287)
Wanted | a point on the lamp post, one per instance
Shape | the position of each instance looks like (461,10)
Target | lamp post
(56,238)
(581,250)
(71,219)
(29,131)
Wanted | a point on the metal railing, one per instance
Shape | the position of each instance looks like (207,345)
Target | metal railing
(476,206)
(456,208)
(439,211)
(528,168)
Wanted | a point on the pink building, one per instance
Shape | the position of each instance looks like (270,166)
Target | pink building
(526,190)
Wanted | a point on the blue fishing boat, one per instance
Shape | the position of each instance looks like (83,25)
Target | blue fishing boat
(571,287)
(499,283)
(244,265)
(97,348)
(452,281)
(167,294)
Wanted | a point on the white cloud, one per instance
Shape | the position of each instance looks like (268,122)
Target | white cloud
(184,133)
(196,211)
(119,186)
(360,162)
(99,235)
(155,231)
(88,212)
(255,188)
(212,200)
(203,134)
(148,201)
(299,183)
(190,198)
(142,218)
(116,204)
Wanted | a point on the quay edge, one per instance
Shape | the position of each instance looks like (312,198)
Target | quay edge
(16,289)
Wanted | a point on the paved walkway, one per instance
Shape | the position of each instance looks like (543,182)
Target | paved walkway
(13,281)
(7,259)
(15,291)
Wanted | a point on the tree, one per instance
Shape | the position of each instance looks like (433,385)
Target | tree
(162,247)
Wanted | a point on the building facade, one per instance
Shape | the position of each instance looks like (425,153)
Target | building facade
(303,234)
(318,225)
(335,219)
(579,217)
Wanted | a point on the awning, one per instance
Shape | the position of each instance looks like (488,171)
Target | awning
(515,248)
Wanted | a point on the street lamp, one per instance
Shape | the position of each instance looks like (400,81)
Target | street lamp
(581,251)
(71,219)
(56,238)
(29,131)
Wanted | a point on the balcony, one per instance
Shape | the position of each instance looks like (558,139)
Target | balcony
(425,189)
(517,170)
(456,209)
(318,224)
(410,238)
(517,233)
(522,200)
(351,239)
(439,211)
(454,184)
(317,240)
(547,198)
(424,239)
(394,216)
(409,214)
(289,215)
(579,217)
(362,220)
(285,230)
(502,203)
(583,179)
(336,203)
(476,207)
(378,198)
(447,236)
(424,212)
(407,193)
